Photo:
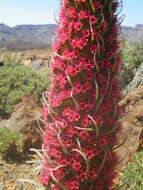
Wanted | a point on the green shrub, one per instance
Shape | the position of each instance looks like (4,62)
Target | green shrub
(10,141)
(137,54)
(17,80)
(127,57)
(132,55)
(132,58)
(133,174)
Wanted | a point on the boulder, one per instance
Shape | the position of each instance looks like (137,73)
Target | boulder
(37,65)
(24,119)
(137,80)
(132,126)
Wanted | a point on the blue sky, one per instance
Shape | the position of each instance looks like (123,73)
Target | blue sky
(13,12)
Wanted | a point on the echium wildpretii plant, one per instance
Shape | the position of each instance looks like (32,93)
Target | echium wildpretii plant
(81,113)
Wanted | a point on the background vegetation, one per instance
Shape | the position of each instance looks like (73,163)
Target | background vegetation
(132,58)
(11,143)
(16,81)
(133,174)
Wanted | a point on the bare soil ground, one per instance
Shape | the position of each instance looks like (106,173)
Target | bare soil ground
(19,176)
(35,53)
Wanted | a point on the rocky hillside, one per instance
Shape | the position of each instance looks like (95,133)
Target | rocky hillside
(133,33)
(26,36)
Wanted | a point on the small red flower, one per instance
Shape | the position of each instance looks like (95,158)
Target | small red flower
(72,13)
(77,26)
(82,15)
(45,113)
(102,142)
(44,178)
(92,19)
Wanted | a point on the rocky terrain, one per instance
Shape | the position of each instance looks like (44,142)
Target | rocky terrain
(19,176)
(133,34)
(24,119)
(132,129)
(26,36)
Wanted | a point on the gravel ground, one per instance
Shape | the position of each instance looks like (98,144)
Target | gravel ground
(19,176)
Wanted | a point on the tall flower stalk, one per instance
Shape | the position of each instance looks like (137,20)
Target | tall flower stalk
(81,112)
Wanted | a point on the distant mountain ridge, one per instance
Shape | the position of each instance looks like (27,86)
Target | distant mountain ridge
(24,36)
(133,34)
(40,36)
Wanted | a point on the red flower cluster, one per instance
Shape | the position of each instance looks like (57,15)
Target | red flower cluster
(82,111)
(71,115)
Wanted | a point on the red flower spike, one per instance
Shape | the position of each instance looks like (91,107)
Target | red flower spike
(82,113)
